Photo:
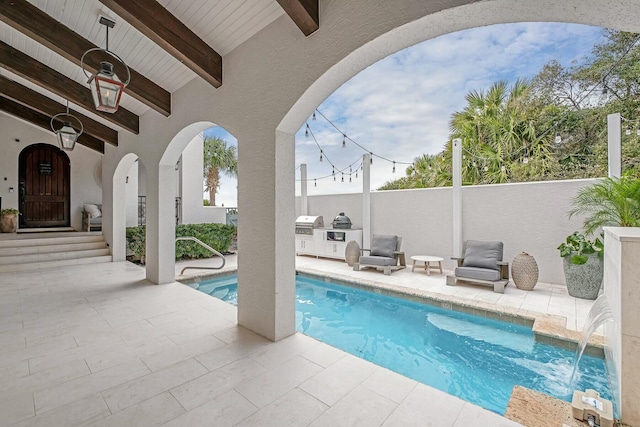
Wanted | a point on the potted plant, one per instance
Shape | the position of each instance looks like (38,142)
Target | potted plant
(9,222)
(583,265)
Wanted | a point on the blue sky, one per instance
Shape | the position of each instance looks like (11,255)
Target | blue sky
(399,108)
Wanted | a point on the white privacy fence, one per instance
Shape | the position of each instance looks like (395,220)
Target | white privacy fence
(527,217)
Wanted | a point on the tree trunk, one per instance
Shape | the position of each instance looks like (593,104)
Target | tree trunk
(212,197)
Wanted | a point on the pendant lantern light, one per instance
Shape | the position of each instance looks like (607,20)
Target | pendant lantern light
(106,87)
(66,135)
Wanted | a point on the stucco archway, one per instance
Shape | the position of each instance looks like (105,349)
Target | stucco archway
(160,206)
(119,210)
(621,15)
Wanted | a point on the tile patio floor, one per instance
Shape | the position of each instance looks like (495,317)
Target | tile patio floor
(98,345)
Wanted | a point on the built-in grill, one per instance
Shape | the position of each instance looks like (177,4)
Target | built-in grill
(341,221)
(305,224)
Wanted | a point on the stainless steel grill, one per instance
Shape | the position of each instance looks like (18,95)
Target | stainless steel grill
(305,224)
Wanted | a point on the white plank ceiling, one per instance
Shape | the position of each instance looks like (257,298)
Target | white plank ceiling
(222,24)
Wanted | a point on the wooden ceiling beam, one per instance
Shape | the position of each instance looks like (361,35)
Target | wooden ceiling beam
(47,106)
(304,13)
(33,22)
(25,113)
(38,73)
(165,30)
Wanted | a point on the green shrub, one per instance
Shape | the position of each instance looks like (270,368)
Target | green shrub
(218,236)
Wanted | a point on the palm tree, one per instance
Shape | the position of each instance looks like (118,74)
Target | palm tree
(218,157)
(612,202)
(497,131)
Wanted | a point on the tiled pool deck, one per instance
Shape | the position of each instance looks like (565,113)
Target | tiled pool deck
(98,345)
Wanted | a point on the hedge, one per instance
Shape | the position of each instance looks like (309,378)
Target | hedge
(218,236)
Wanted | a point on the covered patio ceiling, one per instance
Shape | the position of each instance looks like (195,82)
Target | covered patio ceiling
(166,44)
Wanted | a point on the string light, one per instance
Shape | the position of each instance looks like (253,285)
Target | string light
(342,179)
(371,157)
(503,168)
(558,138)
(321,155)
(344,141)
(314,116)
(306,131)
(628,131)
(315,182)
(486,168)
(394,167)
(525,159)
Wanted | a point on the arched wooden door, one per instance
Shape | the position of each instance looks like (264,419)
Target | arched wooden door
(44,187)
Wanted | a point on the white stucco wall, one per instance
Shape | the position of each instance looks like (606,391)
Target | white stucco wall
(527,217)
(131,185)
(83,163)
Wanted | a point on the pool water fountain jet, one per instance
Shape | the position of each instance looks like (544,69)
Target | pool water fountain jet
(599,314)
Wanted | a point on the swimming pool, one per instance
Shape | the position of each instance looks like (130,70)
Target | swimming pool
(475,358)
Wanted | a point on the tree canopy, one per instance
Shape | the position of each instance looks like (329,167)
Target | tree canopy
(553,126)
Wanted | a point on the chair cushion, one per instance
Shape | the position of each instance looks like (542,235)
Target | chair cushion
(477,273)
(377,260)
(94,210)
(482,254)
(383,245)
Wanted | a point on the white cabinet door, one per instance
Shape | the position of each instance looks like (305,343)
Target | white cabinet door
(335,249)
(305,246)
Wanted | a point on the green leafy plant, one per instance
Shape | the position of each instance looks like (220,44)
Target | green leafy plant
(218,236)
(612,202)
(10,211)
(577,248)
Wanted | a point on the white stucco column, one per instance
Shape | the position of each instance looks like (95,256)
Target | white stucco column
(266,239)
(161,223)
(457,197)
(614,137)
(303,190)
(621,336)
(366,201)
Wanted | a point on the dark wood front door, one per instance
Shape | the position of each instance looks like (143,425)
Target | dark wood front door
(44,187)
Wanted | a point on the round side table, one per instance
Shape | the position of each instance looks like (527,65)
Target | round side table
(427,260)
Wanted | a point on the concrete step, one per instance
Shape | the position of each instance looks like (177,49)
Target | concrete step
(48,265)
(64,247)
(46,241)
(53,250)
(52,256)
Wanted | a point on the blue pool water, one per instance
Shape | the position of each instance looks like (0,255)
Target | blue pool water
(474,358)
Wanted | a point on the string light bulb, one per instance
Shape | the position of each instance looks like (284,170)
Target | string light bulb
(503,168)
(628,130)
(315,183)
(558,138)
(344,141)
(486,168)
(474,164)
(342,179)
(314,116)
(320,155)
(349,177)
(306,131)
(394,167)
(525,159)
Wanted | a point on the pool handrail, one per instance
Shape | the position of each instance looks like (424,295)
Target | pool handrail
(204,245)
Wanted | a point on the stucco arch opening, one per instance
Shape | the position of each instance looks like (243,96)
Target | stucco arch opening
(119,211)
(620,15)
